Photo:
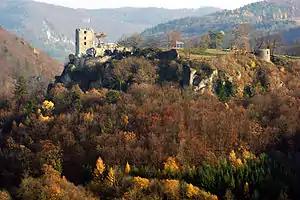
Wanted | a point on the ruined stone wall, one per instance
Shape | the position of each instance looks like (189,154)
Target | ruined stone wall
(84,40)
(100,49)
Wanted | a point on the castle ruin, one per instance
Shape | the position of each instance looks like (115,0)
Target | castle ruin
(84,40)
(86,45)
(263,54)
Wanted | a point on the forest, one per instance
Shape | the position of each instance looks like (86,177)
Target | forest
(156,139)
(265,16)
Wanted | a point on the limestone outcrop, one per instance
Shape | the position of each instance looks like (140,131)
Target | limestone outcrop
(90,71)
(224,77)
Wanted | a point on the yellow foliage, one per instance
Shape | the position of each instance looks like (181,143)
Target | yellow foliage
(125,120)
(127,168)
(129,136)
(140,183)
(171,165)
(88,117)
(111,177)
(232,156)
(238,162)
(253,64)
(246,154)
(48,105)
(282,69)
(192,191)
(171,187)
(51,186)
(207,196)
(195,192)
(100,167)
(45,118)
(234,160)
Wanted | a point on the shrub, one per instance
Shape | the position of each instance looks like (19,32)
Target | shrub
(112,96)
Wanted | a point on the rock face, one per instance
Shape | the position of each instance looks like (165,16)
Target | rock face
(206,82)
(225,76)
(96,71)
(200,76)
(169,55)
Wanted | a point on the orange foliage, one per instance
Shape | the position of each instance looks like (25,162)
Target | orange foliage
(140,183)
(171,165)
(4,195)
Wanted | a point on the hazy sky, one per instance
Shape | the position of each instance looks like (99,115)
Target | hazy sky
(228,4)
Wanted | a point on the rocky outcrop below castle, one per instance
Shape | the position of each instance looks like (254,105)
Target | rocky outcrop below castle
(225,76)
(95,72)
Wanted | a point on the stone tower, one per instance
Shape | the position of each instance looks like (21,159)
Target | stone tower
(264,54)
(84,40)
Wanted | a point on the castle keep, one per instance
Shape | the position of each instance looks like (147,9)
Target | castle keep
(86,44)
(84,40)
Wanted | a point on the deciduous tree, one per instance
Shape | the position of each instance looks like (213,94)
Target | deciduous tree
(132,41)
(242,35)
(171,37)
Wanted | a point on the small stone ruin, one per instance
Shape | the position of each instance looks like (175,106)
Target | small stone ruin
(263,54)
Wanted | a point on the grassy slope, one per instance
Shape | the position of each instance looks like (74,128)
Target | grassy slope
(18,58)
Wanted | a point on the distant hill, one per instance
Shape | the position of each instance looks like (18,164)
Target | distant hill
(264,16)
(19,58)
(52,27)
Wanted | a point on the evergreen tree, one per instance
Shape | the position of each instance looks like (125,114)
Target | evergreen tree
(20,92)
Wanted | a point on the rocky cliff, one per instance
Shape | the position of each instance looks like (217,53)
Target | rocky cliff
(225,76)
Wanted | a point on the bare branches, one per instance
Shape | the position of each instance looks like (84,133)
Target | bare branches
(171,37)
(131,41)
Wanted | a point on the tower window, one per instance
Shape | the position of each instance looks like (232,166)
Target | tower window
(84,43)
(84,32)
(85,38)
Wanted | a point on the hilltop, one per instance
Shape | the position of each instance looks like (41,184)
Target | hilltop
(19,58)
(52,28)
(264,16)
(125,128)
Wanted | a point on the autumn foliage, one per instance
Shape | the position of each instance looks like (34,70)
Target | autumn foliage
(156,140)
